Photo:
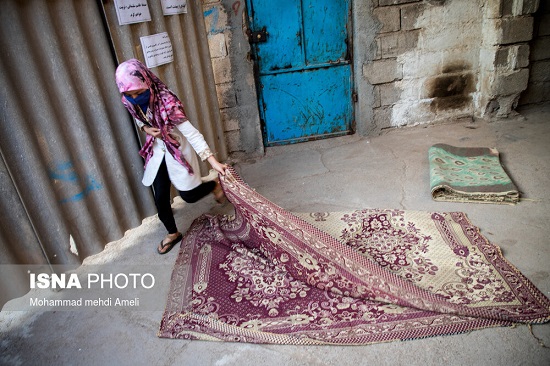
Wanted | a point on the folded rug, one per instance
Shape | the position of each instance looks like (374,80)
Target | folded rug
(469,174)
(265,275)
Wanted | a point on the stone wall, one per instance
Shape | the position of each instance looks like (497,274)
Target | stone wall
(504,68)
(425,68)
(538,88)
(446,60)
(415,62)
(234,76)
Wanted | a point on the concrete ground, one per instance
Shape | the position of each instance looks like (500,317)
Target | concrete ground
(387,171)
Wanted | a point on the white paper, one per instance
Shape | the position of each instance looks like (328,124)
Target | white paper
(171,7)
(132,11)
(157,49)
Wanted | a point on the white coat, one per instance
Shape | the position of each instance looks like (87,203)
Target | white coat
(191,143)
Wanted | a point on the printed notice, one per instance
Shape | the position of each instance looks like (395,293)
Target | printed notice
(172,7)
(157,49)
(132,11)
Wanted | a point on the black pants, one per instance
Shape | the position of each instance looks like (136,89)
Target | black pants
(162,185)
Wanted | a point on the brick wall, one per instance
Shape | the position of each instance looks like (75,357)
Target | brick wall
(504,58)
(415,62)
(425,67)
(234,77)
(538,88)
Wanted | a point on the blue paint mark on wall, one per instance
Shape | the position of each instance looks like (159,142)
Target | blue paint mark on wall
(76,188)
(215,14)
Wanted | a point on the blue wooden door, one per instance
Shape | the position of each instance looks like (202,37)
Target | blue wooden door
(303,68)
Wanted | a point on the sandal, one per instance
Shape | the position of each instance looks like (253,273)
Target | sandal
(218,192)
(169,245)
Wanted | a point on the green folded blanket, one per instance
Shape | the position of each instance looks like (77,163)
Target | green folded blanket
(469,174)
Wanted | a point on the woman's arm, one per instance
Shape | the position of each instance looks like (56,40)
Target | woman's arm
(197,141)
(219,167)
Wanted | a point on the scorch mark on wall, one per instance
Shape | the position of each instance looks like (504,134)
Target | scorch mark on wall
(452,89)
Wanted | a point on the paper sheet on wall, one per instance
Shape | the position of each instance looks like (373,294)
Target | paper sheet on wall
(132,11)
(171,7)
(157,49)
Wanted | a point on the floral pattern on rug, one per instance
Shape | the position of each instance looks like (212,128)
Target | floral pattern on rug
(265,275)
(392,243)
(469,174)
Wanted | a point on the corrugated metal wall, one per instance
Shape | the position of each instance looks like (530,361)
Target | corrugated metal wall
(190,76)
(70,173)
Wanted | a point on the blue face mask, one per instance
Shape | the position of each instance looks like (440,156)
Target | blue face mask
(142,99)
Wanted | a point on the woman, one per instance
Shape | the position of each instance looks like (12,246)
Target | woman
(169,150)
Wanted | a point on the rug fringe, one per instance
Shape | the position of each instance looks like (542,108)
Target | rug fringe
(539,341)
(530,200)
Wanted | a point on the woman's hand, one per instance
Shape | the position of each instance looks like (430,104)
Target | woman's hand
(219,167)
(153,131)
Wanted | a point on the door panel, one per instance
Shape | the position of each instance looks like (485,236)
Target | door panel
(302,113)
(325,31)
(282,20)
(303,69)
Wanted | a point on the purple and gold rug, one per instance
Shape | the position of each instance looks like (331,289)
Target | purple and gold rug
(266,275)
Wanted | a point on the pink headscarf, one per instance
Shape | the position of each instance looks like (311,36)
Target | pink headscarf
(166,109)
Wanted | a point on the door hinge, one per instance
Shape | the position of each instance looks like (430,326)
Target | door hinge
(354,97)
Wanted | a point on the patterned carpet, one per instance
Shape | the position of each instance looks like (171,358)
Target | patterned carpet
(266,275)
(469,174)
